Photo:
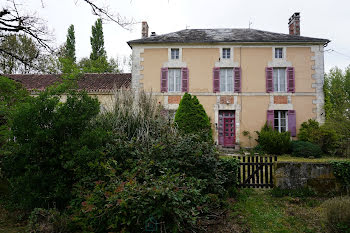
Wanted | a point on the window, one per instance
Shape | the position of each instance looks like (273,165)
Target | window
(226,80)
(279,80)
(278,52)
(226,53)
(280,121)
(174,80)
(175,53)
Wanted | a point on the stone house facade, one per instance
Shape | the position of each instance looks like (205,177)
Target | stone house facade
(242,77)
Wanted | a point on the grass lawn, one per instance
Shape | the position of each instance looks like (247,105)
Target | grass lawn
(288,158)
(258,211)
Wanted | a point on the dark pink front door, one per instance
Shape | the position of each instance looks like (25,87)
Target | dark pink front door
(227,136)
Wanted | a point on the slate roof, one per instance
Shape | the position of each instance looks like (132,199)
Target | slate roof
(104,82)
(226,35)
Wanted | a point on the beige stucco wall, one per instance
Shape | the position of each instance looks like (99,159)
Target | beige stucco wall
(153,60)
(301,60)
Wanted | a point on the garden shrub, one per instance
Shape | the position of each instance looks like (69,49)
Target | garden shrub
(273,142)
(306,149)
(324,136)
(338,214)
(192,118)
(54,145)
(342,173)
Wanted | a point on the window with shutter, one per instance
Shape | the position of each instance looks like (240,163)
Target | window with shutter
(279,80)
(184,72)
(238,79)
(226,80)
(216,79)
(291,79)
(292,123)
(164,80)
(280,122)
(269,79)
(174,80)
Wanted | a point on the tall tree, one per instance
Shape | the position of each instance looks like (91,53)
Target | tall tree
(70,44)
(97,41)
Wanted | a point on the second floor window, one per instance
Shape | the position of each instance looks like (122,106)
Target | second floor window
(174,80)
(280,121)
(279,80)
(226,80)
(175,54)
(278,52)
(226,53)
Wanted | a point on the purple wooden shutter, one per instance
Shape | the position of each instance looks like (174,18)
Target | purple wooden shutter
(216,79)
(270,116)
(269,79)
(164,80)
(238,73)
(292,128)
(184,72)
(291,79)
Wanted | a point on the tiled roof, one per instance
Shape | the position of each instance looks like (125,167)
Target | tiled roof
(226,35)
(104,82)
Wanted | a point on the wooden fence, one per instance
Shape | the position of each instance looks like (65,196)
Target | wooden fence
(256,171)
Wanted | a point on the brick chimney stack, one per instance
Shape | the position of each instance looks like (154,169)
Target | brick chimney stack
(144,30)
(294,24)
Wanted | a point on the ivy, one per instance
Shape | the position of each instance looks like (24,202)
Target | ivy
(342,172)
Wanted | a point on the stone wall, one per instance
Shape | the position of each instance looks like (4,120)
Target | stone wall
(316,176)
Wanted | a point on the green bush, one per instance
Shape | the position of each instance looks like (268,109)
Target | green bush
(54,146)
(191,118)
(273,142)
(306,149)
(324,136)
(338,214)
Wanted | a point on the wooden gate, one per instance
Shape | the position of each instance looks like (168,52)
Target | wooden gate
(256,171)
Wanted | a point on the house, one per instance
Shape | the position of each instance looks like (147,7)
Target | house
(242,77)
(102,86)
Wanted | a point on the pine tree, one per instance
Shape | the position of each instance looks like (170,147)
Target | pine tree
(97,41)
(70,44)
(191,118)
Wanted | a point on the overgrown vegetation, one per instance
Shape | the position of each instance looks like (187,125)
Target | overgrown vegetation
(342,172)
(273,142)
(111,171)
(191,118)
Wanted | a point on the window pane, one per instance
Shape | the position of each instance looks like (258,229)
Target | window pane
(229,80)
(275,79)
(171,80)
(282,77)
(278,52)
(175,53)
(178,79)
(222,80)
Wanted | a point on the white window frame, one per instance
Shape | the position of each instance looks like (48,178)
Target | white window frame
(226,53)
(226,80)
(279,49)
(279,79)
(279,118)
(176,53)
(172,72)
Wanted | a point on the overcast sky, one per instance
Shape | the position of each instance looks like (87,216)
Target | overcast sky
(327,19)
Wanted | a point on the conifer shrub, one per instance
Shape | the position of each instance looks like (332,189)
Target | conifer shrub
(273,142)
(191,118)
(306,149)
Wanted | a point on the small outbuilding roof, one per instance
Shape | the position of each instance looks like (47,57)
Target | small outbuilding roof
(227,35)
(91,82)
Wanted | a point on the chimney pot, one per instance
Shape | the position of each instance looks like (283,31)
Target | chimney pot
(294,24)
(153,34)
(144,30)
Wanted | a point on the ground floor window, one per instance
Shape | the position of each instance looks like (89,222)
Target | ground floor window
(280,121)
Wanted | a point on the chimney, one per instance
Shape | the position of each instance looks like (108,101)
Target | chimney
(144,30)
(294,24)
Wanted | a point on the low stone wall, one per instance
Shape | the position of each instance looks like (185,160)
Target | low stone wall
(317,176)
